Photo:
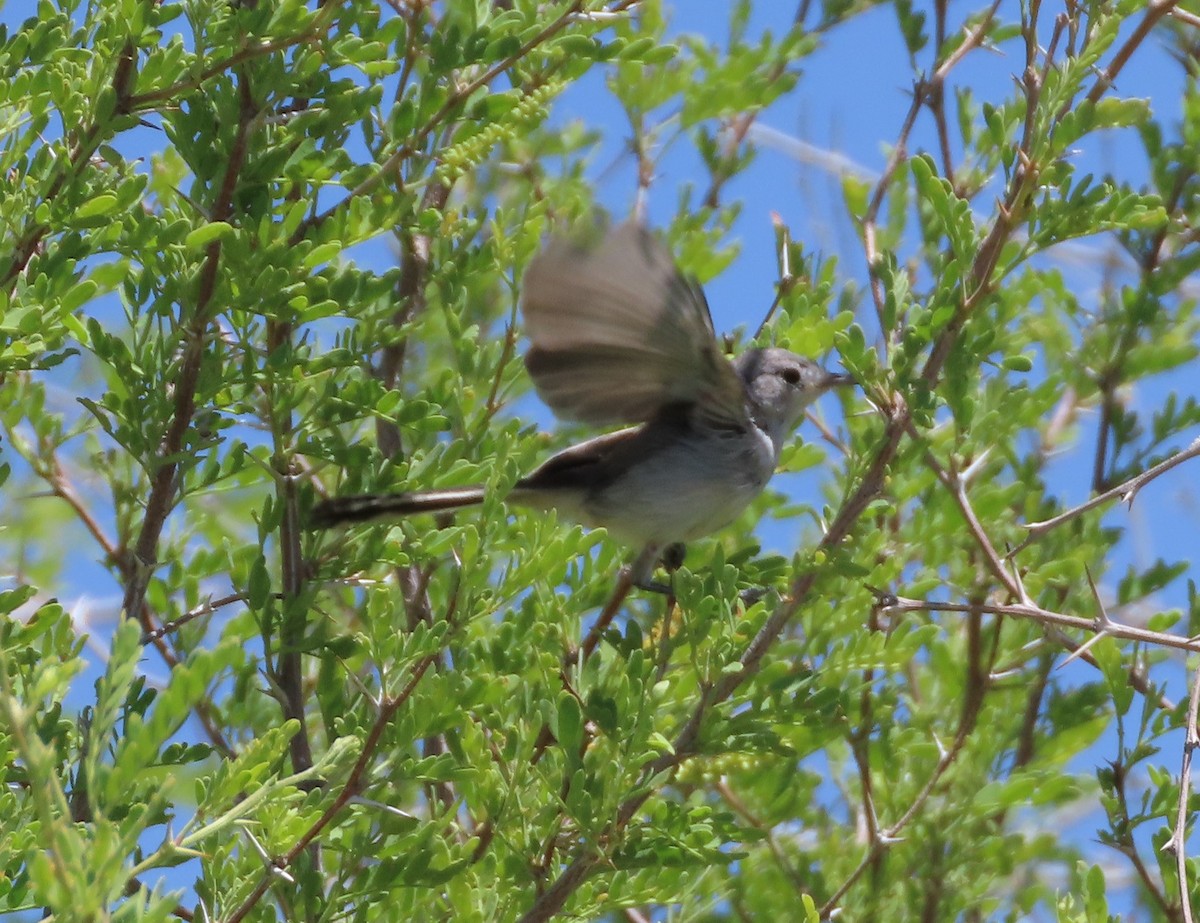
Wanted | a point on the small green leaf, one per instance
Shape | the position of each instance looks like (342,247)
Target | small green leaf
(78,294)
(206,234)
(258,586)
(569,730)
(1018,363)
(94,207)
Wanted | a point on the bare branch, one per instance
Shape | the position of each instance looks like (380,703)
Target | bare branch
(1177,844)
(1126,492)
(1154,12)
(1098,625)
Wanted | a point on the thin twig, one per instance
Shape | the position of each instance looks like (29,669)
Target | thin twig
(64,490)
(739,808)
(1100,625)
(206,608)
(888,836)
(1126,492)
(350,788)
(1154,12)
(1177,844)
(620,591)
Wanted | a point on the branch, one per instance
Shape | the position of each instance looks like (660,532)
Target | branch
(89,140)
(1126,492)
(1154,12)
(350,788)
(164,483)
(203,609)
(456,98)
(885,837)
(1101,625)
(321,22)
(781,860)
(1177,844)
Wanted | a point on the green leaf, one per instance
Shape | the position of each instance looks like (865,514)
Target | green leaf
(568,726)
(96,207)
(206,234)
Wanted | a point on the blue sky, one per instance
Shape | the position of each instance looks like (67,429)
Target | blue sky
(848,109)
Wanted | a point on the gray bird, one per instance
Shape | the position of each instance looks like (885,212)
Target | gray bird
(619,335)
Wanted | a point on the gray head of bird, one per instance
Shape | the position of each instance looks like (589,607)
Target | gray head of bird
(781,385)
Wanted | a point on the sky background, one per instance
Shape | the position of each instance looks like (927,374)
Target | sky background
(848,108)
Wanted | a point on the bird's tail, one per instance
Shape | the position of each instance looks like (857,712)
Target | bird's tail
(365,507)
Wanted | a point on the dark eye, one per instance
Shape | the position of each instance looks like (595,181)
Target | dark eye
(791,375)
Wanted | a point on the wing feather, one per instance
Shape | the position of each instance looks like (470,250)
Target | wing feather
(618,333)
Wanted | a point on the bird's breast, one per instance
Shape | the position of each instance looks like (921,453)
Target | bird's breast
(688,487)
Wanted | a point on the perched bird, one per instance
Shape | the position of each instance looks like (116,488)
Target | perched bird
(619,335)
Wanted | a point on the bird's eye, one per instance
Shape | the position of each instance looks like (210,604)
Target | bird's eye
(791,375)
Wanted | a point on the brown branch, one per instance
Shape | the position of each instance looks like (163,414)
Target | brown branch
(355,781)
(1177,844)
(320,24)
(860,739)
(48,468)
(625,579)
(90,139)
(1026,737)
(1185,17)
(643,565)
(1126,492)
(870,220)
(289,676)
(781,860)
(738,126)
(1100,626)
(1155,11)
(958,490)
(64,491)
(164,484)
(1124,843)
(460,94)
(1012,584)
(191,615)
(972,704)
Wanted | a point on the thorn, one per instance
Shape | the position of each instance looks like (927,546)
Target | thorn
(380,806)
(975,467)
(1102,621)
(1084,648)
(1021,594)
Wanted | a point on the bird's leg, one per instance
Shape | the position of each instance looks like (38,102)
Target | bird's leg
(627,579)
(641,572)
(673,555)
(751,595)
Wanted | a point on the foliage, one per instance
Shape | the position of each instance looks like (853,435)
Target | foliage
(199,339)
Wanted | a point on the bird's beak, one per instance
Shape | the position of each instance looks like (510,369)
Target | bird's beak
(838,380)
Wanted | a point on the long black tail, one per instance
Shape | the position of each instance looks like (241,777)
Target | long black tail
(365,507)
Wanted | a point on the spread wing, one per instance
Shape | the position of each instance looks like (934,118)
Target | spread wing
(618,333)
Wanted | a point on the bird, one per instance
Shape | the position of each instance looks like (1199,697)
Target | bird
(618,335)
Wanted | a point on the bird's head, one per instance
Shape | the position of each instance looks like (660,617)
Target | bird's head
(781,385)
